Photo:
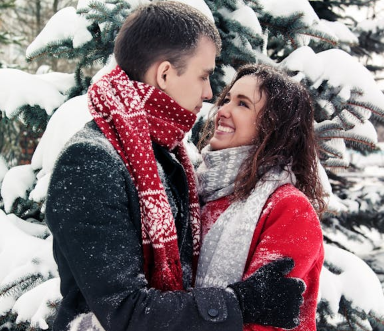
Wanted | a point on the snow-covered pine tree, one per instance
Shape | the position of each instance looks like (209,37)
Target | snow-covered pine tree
(9,129)
(5,36)
(287,34)
(368,32)
(359,229)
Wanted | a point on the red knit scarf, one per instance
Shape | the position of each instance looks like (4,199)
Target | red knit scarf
(132,115)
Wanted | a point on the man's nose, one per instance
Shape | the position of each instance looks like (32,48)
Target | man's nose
(207,93)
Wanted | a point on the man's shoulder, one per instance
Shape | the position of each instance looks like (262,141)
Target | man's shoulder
(89,134)
(89,149)
(90,139)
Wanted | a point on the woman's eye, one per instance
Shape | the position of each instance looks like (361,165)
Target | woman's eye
(243,104)
(226,100)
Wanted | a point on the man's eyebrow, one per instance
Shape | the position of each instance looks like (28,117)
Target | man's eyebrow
(209,71)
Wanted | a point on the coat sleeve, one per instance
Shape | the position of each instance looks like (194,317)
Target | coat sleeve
(99,245)
(289,227)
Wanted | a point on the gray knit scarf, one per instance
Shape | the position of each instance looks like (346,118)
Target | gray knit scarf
(225,248)
(217,174)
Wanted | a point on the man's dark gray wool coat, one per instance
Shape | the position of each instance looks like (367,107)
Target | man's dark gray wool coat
(93,213)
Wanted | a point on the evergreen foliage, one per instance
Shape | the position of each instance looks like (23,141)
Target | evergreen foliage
(6,37)
(369,39)
(343,121)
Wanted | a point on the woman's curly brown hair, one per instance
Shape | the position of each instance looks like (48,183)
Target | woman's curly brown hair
(285,134)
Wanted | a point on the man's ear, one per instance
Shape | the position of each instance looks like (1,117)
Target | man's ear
(163,70)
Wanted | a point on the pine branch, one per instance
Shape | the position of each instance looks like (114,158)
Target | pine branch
(378,320)
(217,4)
(334,163)
(98,12)
(354,142)
(53,304)
(96,6)
(323,312)
(350,315)
(348,119)
(56,49)
(321,37)
(22,285)
(327,125)
(292,26)
(368,106)
(7,320)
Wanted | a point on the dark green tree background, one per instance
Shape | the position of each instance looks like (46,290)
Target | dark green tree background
(251,32)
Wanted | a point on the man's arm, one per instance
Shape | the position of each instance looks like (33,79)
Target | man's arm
(92,218)
(89,214)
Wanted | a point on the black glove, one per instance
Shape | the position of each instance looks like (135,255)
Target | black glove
(269,298)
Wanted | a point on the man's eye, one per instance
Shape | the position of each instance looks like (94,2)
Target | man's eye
(205,78)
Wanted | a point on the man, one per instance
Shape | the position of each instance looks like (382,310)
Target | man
(122,203)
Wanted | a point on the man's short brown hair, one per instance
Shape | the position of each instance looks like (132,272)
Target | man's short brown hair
(162,31)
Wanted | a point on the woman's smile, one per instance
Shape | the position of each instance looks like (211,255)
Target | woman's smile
(224,128)
(235,123)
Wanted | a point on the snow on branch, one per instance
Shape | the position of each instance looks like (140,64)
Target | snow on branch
(39,304)
(16,183)
(354,280)
(25,261)
(288,8)
(342,32)
(64,123)
(75,30)
(339,70)
(19,89)
(346,95)
(296,21)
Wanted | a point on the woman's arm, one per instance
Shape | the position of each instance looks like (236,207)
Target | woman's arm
(289,227)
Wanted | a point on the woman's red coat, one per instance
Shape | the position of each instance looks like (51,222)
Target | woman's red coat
(288,227)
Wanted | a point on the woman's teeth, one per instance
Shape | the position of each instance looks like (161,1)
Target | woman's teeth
(225,129)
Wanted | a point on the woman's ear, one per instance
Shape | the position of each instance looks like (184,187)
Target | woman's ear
(163,70)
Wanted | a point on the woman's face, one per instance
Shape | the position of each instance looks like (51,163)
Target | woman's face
(235,122)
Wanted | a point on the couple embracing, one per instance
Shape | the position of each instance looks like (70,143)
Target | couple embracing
(140,244)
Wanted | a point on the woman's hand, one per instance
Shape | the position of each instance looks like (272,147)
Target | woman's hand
(269,298)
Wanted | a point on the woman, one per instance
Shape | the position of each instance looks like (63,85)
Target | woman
(259,186)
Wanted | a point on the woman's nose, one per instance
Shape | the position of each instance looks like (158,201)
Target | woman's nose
(224,111)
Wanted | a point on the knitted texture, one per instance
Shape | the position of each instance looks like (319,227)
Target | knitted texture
(217,173)
(225,248)
(132,115)
(85,322)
